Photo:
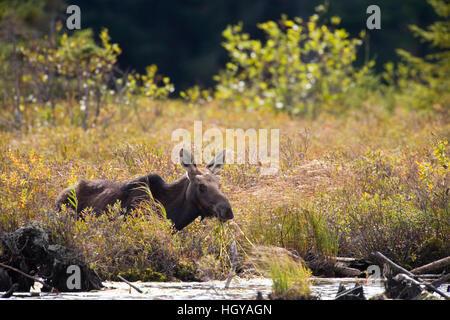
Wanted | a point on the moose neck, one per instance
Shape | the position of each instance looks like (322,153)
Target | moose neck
(173,197)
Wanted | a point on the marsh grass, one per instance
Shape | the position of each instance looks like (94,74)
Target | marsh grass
(72,198)
(291,277)
(302,229)
(346,186)
(360,171)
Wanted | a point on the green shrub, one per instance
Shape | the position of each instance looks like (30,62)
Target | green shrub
(422,83)
(394,205)
(302,68)
(146,275)
(76,69)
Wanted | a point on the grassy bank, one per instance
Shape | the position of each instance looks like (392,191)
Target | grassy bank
(346,186)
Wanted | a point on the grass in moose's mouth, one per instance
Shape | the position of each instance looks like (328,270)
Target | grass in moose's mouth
(346,186)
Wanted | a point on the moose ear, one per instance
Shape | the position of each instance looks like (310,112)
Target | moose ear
(188,163)
(217,163)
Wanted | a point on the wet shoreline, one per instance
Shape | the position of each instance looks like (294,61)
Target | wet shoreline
(239,289)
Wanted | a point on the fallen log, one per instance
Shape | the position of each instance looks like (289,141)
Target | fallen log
(341,259)
(5,280)
(431,276)
(380,257)
(234,264)
(28,276)
(403,286)
(405,278)
(32,258)
(130,284)
(11,291)
(345,259)
(445,278)
(355,293)
(342,269)
(438,264)
(354,264)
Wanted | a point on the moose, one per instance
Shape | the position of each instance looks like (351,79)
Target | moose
(196,194)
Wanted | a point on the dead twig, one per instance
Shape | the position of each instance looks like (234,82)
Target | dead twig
(28,276)
(379,256)
(10,292)
(234,264)
(130,284)
(346,271)
(438,282)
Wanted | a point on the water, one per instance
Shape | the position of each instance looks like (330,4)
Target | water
(240,288)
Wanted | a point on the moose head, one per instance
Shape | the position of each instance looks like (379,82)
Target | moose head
(203,189)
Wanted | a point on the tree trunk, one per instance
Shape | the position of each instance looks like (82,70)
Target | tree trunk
(16,97)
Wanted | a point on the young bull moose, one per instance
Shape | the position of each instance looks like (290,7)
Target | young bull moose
(194,195)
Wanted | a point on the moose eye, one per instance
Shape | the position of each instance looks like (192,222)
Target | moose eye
(202,187)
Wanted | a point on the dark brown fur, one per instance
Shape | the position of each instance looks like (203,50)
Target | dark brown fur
(194,195)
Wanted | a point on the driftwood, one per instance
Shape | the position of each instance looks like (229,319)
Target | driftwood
(342,259)
(442,263)
(130,284)
(346,271)
(406,278)
(11,291)
(27,256)
(337,266)
(380,257)
(28,276)
(347,266)
(431,276)
(355,293)
(445,278)
(402,286)
(234,261)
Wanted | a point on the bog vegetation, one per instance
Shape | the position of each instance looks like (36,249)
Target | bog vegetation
(364,158)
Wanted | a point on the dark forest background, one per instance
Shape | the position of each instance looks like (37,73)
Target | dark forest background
(183,37)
